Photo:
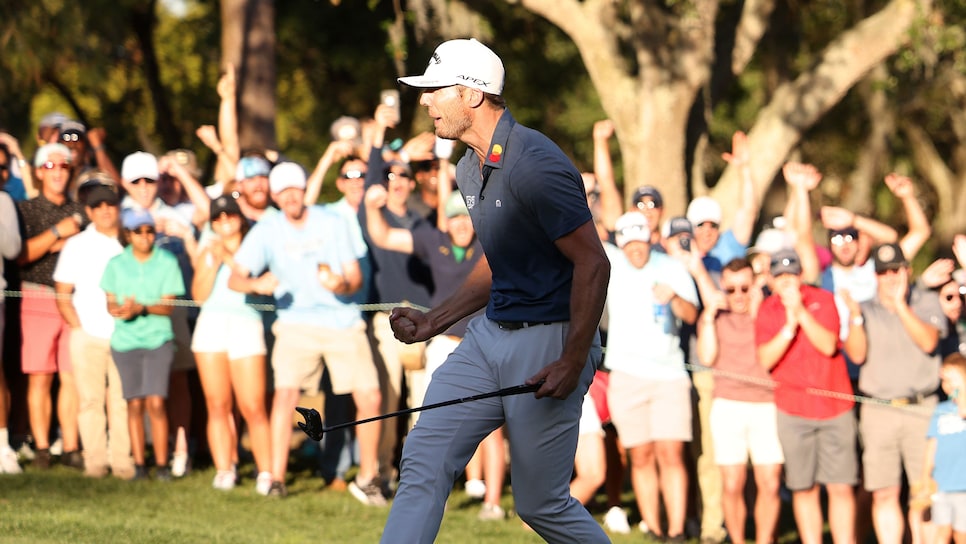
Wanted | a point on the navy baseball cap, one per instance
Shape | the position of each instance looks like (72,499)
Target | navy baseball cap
(649,191)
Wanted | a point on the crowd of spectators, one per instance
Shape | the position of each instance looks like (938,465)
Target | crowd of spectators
(819,363)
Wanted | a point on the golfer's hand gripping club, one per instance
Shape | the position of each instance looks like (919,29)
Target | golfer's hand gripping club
(314,429)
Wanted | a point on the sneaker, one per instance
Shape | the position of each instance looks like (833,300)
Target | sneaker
(41,459)
(651,536)
(72,459)
(162,474)
(8,462)
(224,480)
(338,485)
(57,447)
(140,473)
(491,512)
(179,465)
(277,489)
(615,521)
(369,493)
(475,489)
(676,539)
(263,483)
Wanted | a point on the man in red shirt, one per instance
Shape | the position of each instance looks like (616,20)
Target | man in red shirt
(797,336)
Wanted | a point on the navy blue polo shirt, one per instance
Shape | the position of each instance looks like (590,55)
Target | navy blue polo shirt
(531,196)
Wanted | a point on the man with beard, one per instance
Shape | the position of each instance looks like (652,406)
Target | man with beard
(543,279)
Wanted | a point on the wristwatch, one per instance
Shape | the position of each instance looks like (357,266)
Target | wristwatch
(55,232)
(144,311)
(858,321)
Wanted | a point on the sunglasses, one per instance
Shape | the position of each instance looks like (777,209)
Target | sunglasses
(143,231)
(732,290)
(353,174)
(50,165)
(70,137)
(398,175)
(842,239)
(145,180)
(646,205)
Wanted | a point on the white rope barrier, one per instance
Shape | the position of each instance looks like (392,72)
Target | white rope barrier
(188,303)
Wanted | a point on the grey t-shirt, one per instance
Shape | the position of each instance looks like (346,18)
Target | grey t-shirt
(894,365)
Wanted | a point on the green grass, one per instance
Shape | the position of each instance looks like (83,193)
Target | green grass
(60,505)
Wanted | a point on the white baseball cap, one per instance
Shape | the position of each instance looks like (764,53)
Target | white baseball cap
(703,209)
(461,62)
(631,227)
(139,165)
(286,175)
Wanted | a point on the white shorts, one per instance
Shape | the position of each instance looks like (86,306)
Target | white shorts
(738,428)
(589,420)
(240,336)
(437,351)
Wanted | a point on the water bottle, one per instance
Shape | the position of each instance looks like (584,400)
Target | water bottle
(662,316)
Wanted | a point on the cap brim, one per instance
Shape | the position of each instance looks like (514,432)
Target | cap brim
(424,82)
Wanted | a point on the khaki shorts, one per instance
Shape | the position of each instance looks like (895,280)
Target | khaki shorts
(300,350)
(645,411)
(818,451)
(893,439)
(741,428)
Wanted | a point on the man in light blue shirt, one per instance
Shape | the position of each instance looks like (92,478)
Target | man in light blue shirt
(304,257)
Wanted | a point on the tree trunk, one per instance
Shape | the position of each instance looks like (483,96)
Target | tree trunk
(647,66)
(874,153)
(950,216)
(142,23)
(256,118)
(797,105)
(233,24)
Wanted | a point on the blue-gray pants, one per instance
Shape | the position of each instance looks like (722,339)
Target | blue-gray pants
(542,435)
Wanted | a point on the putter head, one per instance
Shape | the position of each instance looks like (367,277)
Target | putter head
(313,422)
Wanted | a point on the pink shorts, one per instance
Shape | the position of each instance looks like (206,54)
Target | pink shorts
(46,336)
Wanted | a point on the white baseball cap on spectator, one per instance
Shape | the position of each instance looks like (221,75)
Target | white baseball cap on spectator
(286,175)
(771,241)
(139,165)
(704,209)
(461,62)
(45,151)
(631,227)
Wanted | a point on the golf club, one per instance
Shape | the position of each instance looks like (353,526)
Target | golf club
(313,420)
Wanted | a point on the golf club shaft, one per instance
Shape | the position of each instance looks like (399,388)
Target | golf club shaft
(507,391)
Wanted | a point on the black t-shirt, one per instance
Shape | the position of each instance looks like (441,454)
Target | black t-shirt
(397,277)
(436,249)
(37,215)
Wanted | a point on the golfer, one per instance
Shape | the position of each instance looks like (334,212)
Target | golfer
(543,281)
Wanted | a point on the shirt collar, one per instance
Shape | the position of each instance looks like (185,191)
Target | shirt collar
(494,155)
